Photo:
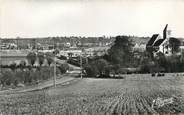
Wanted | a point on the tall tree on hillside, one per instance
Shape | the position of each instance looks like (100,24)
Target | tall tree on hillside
(31,57)
(121,51)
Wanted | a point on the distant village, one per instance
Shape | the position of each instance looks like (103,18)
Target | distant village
(83,46)
(66,45)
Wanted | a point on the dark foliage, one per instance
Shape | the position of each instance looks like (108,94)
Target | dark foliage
(174,44)
(29,76)
(49,57)
(31,57)
(121,51)
(41,58)
(63,68)
(97,68)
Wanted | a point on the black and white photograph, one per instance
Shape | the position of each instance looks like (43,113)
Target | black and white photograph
(91,57)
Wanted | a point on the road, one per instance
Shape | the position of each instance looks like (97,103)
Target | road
(61,80)
(66,78)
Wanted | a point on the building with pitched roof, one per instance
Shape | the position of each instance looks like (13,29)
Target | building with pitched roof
(158,44)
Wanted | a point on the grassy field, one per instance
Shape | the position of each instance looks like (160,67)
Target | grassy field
(7,56)
(130,96)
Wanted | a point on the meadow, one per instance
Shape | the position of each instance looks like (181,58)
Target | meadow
(132,95)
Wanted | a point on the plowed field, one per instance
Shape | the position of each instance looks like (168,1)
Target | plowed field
(88,96)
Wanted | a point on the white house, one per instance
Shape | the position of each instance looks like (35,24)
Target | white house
(72,53)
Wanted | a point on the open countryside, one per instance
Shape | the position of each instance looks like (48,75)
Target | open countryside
(132,95)
(115,79)
(91,57)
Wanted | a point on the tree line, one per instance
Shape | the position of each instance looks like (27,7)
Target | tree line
(24,73)
(122,59)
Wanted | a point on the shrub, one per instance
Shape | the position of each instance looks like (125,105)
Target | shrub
(49,57)
(12,66)
(97,68)
(31,57)
(46,73)
(22,64)
(28,76)
(91,71)
(40,58)
(153,74)
(63,68)
(7,77)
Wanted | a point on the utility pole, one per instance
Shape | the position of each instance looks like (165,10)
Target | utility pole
(81,65)
(54,65)
(86,60)
(17,43)
(54,70)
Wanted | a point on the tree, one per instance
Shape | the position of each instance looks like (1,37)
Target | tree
(49,57)
(41,58)
(70,54)
(63,68)
(97,68)
(121,51)
(7,77)
(56,51)
(147,64)
(22,63)
(90,70)
(13,66)
(182,61)
(101,64)
(174,63)
(114,69)
(160,63)
(31,57)
(174,44)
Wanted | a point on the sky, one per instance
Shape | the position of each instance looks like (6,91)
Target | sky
(44,18)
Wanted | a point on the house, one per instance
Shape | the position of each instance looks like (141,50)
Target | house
(96,51)
(139,47)
(70,53)
(158,44)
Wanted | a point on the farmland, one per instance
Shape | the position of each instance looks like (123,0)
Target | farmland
(132,95)
(7,56)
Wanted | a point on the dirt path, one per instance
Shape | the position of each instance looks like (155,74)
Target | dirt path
(62,79)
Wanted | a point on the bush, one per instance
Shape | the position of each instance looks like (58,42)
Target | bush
(62,57)
(12,66)
(40,58)
(63,68)
(153,74)
(26,76)
(97,68)
(7,77)
(22,64)
(91,71)
(31,57)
